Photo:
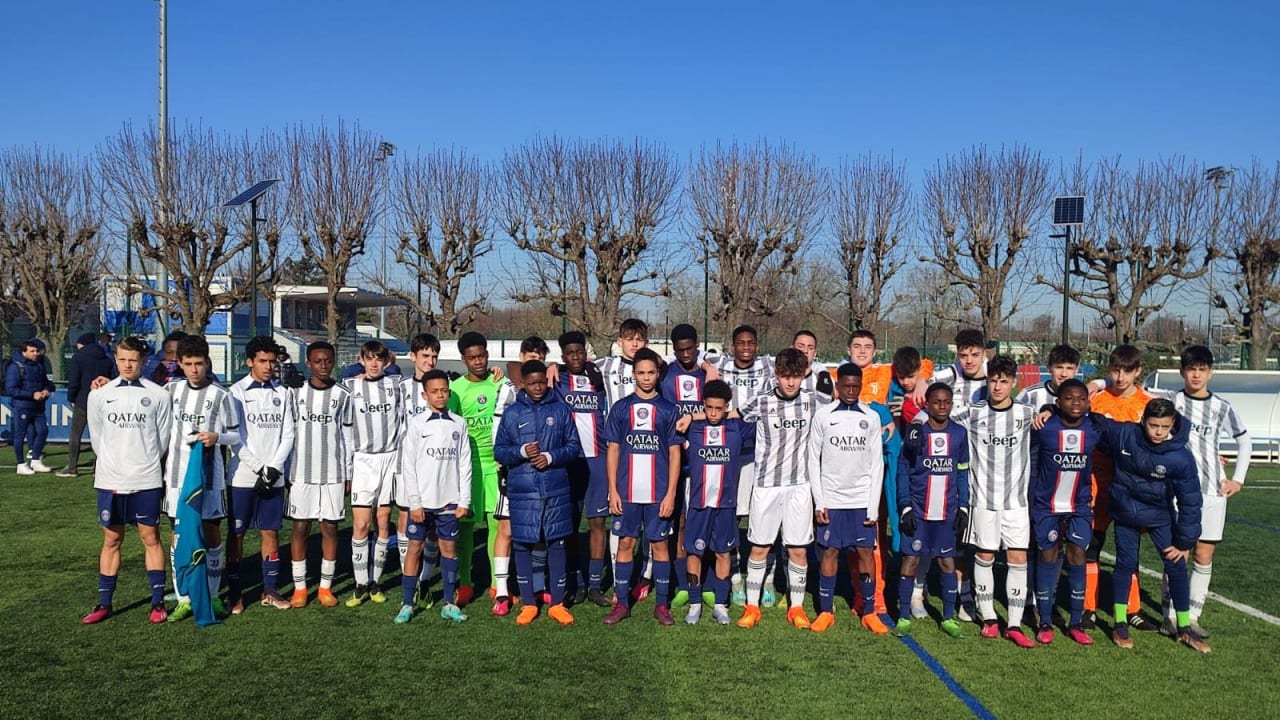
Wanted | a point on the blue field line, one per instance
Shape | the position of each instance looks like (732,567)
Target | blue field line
(1249,523)
(974,705)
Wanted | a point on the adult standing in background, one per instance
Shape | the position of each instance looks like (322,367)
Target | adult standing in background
(28,387)
(89,361)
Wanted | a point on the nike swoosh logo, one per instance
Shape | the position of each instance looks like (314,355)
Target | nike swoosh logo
(946,550)
(111,401)
(139,517)
(1126,453)
(837,422)
(521,425)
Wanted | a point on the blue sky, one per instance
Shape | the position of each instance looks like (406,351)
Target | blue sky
(917,79)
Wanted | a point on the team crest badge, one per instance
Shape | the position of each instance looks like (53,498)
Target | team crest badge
(146,402)
(106,516)
(642,413)
(917,545)
(617,526)
(713,435)
(455,436)
(1053,536)
(208,404)
(551,421)
(863,424)
(482,399)
(412,529)
(938,445)
(1160,471)
(275,401)
(239,524)
(700,545)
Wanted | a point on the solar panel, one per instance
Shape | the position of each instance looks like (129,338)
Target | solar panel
(253,193)
(1068,210)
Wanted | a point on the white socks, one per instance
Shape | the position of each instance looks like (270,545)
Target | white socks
(984,580)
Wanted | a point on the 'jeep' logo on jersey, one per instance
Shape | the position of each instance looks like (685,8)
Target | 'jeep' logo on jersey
(186,417)
(790,424)
(1001,440)
(322,418)
(377,408)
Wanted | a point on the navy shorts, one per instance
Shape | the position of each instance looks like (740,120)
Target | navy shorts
(249,510)
(1075,528)
(443,521)
(589,487)
(714,529)
(634,515)
(846,530)
(139,508)
(933,538)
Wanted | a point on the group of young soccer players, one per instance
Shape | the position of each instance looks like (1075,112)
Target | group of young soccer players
(665,457)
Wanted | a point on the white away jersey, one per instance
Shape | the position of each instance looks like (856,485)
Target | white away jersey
(782,436)
(378,413)
(322,444)
(130,424)
(435,462)
(267,419)
(999,454)
(846,458)
(203,409)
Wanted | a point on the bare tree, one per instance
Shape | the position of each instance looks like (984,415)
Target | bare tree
(50,217)
(756,208)
(1253,243)
(443,204)
(872,213)
(1147,229)
(333,185)
(172,208)
(587,214)
(981,208)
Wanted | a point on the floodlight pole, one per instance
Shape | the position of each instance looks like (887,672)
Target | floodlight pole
(253,265)
(1066,288)
(162,272)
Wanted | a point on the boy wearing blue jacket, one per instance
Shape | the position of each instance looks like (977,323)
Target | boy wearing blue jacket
(536,442)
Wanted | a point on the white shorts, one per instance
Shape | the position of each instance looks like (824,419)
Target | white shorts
(309,501)
(502,510)
(788,508)
(215,502)
(1213,518)
(995,529)
(372,479)
(746,481)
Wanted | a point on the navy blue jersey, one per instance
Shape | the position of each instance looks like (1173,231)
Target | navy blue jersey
(714,454)
(683,388)
(1061,465)
(589,404)
(933,472)
(644,430)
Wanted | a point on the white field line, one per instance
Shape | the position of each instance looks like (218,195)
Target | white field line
(1238,606)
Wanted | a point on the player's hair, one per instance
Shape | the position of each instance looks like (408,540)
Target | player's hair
(648,354)
(321,345)
(193,346)
(1196,356)
(174,336)
(632,327)
(261,344)
(744,329)
(1002,366)
(572,337)
(133,344)
(30,344)
(717,389)
(104,338)
(862,333)
(532,344)
(532,367)
(938,387)
(424,341)
(683,331)
(375,349)
(1064,355)
(790,362)
(1070,384)
(470,340)
(1159,408)
(435,374)
(970,338)
(849,370)
(804,333)
(906,361)
(1126,358)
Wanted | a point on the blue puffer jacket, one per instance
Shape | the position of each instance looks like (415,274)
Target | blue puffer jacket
(539,499)
(25,378)
(1150,478)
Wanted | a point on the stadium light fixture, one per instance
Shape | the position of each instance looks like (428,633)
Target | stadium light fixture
(251,197)
(1068,212)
